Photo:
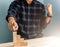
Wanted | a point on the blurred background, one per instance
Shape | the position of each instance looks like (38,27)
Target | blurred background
(51,30)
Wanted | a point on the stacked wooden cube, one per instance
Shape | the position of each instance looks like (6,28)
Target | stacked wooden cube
(18,41)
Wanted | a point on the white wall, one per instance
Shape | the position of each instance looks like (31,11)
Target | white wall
(5,34)
(54,27)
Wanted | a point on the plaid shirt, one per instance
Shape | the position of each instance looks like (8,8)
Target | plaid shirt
(30,18)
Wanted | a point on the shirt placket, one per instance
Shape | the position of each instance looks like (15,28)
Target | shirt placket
(28,21)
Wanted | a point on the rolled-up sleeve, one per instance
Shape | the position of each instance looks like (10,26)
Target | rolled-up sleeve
(12,11)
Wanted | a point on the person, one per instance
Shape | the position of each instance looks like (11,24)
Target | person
(28,17)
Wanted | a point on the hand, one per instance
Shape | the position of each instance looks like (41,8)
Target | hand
(12,25)
(49,8)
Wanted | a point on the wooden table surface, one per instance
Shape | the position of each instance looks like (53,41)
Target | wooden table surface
(51,41)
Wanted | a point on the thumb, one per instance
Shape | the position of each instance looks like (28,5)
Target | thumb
(14,28)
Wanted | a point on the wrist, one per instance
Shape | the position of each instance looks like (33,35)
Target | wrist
(11,19)
(49,15)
